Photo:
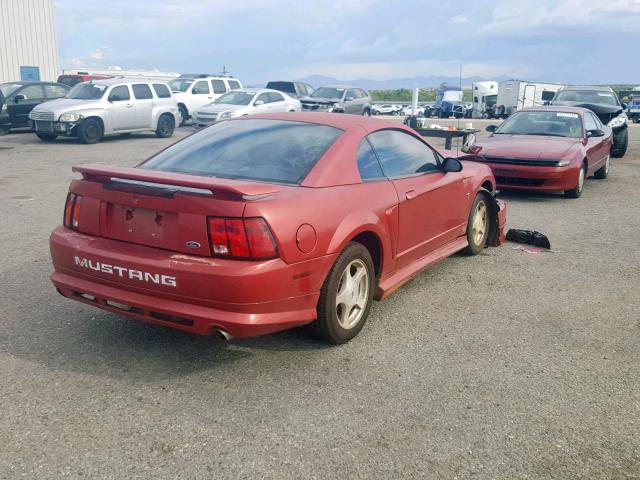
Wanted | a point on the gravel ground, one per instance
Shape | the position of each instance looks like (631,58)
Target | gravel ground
(507,365)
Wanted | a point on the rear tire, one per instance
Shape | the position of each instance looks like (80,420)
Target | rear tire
(346,296)
(478,224)
(166,126)
(90,131)
(184,115)
(577,191)
(603,172)
(46,137)
(620,143)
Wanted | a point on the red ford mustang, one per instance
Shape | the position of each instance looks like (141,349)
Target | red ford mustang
(269,222)
(547,148)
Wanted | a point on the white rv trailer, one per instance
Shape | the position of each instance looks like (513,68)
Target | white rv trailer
(483,99)
(119,72)
(516,94)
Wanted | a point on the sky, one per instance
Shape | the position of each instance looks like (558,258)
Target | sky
(563,41)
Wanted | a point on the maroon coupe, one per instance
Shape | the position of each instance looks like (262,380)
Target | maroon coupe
(269,222)
(552,149)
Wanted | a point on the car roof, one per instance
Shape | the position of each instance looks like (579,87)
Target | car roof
(556,108)
(587,88)
(122,80)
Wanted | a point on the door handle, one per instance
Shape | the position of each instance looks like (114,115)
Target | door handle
(154,104)
(411,194)
(128,105)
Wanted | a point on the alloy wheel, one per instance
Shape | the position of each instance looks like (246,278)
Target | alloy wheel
(480,221)
(352,294)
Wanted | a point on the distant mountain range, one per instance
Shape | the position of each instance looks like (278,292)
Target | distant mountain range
(395,83)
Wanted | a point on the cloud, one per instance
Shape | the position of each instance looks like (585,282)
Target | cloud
(459,20)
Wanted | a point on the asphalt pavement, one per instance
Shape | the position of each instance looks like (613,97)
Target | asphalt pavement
(507,365)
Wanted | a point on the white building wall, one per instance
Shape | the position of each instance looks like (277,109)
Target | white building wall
(28,38)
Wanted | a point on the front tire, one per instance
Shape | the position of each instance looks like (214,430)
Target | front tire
(166,126)
(90,131)
(478,225)
(577,191)
(620,143)
(184,115)
(346,296)
(46,137)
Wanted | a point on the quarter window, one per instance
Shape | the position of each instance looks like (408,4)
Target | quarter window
(162,91)
(119,93)
(218,86)
(142,91)
(401,154)
(201,88)
(275,97)
(54,91)
(368,164)
(233,85)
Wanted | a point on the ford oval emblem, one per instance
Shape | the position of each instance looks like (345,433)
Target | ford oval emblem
(192,244)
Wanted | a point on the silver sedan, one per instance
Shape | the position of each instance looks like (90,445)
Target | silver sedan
(246,101)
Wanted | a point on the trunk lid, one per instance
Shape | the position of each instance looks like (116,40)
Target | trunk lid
(159,209)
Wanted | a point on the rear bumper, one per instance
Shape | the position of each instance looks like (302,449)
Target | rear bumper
(546,179)
(200,295)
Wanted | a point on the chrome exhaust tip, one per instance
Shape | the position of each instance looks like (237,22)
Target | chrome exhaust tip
(223,335)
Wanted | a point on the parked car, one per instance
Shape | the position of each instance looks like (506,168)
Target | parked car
(338,99)
(72,80)
(214,234)
(17,99)
(633,108)
(246,101)
(605,104)
(194,92)
(424,110)
(293,89)
(113,106)
(548,149)
(386,109)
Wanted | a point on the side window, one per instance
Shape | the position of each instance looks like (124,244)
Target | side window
(308,90)
(32,92)
(54,91)
(142,91)
(363,94)
(264,97)
(162,91)
(589,122)
(119,93)
(218,86)
(233,85)
(201,88)
(597,120)
(368,164)
(275,97)
(351,94)
(402,154)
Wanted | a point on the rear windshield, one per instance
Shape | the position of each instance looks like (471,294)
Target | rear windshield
(584,96)
(272,151)
(87,91)
(69,80)
(282,86)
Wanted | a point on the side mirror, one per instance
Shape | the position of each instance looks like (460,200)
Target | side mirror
(258,102)
(195,91)
(491,128)
(18,98)
(452,165)
(624,106)
(348,99)
(596,132)
(114,98)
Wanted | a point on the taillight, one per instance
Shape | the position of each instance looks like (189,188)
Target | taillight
(72,211)
(248,238)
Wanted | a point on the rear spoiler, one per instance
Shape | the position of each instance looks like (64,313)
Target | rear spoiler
(169,182)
